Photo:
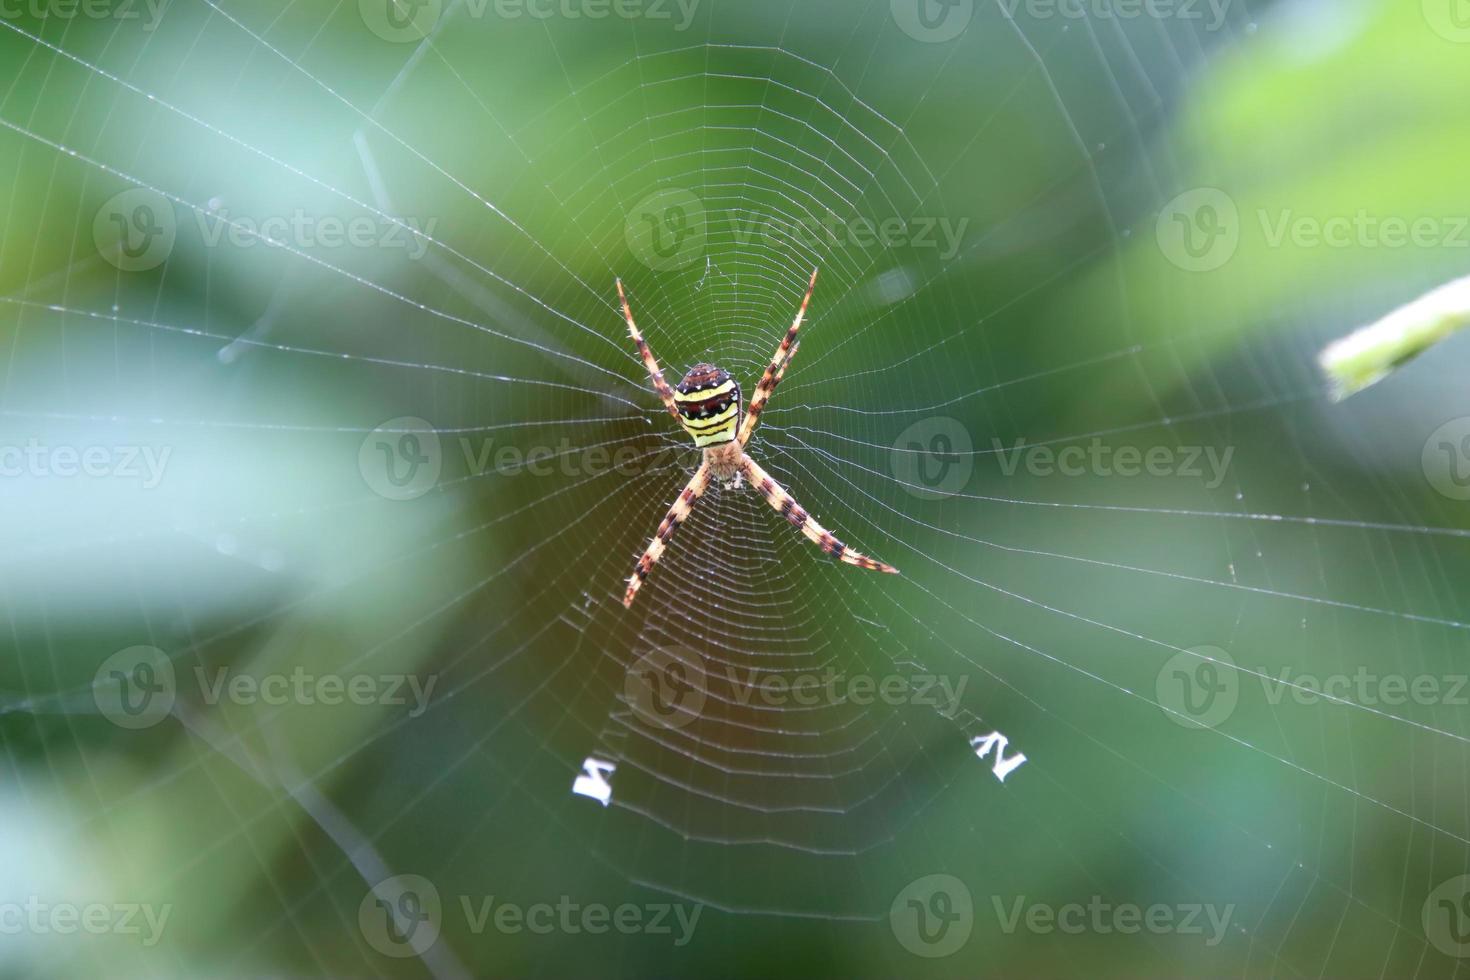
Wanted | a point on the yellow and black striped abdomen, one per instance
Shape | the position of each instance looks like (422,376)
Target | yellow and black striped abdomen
(709,405)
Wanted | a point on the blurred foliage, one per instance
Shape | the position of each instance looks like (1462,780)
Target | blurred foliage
(526,145)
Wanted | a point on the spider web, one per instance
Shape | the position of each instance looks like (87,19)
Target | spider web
(520,166)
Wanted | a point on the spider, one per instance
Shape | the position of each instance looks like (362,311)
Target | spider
(707,405)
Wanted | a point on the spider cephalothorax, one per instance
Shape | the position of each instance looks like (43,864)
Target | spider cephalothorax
(707,405)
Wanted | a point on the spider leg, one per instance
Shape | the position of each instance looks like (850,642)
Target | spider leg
(649,362)
(785,505)
(776,370)
(782,372)
(696,487)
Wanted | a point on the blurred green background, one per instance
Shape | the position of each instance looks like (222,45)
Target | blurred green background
(1110,225)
